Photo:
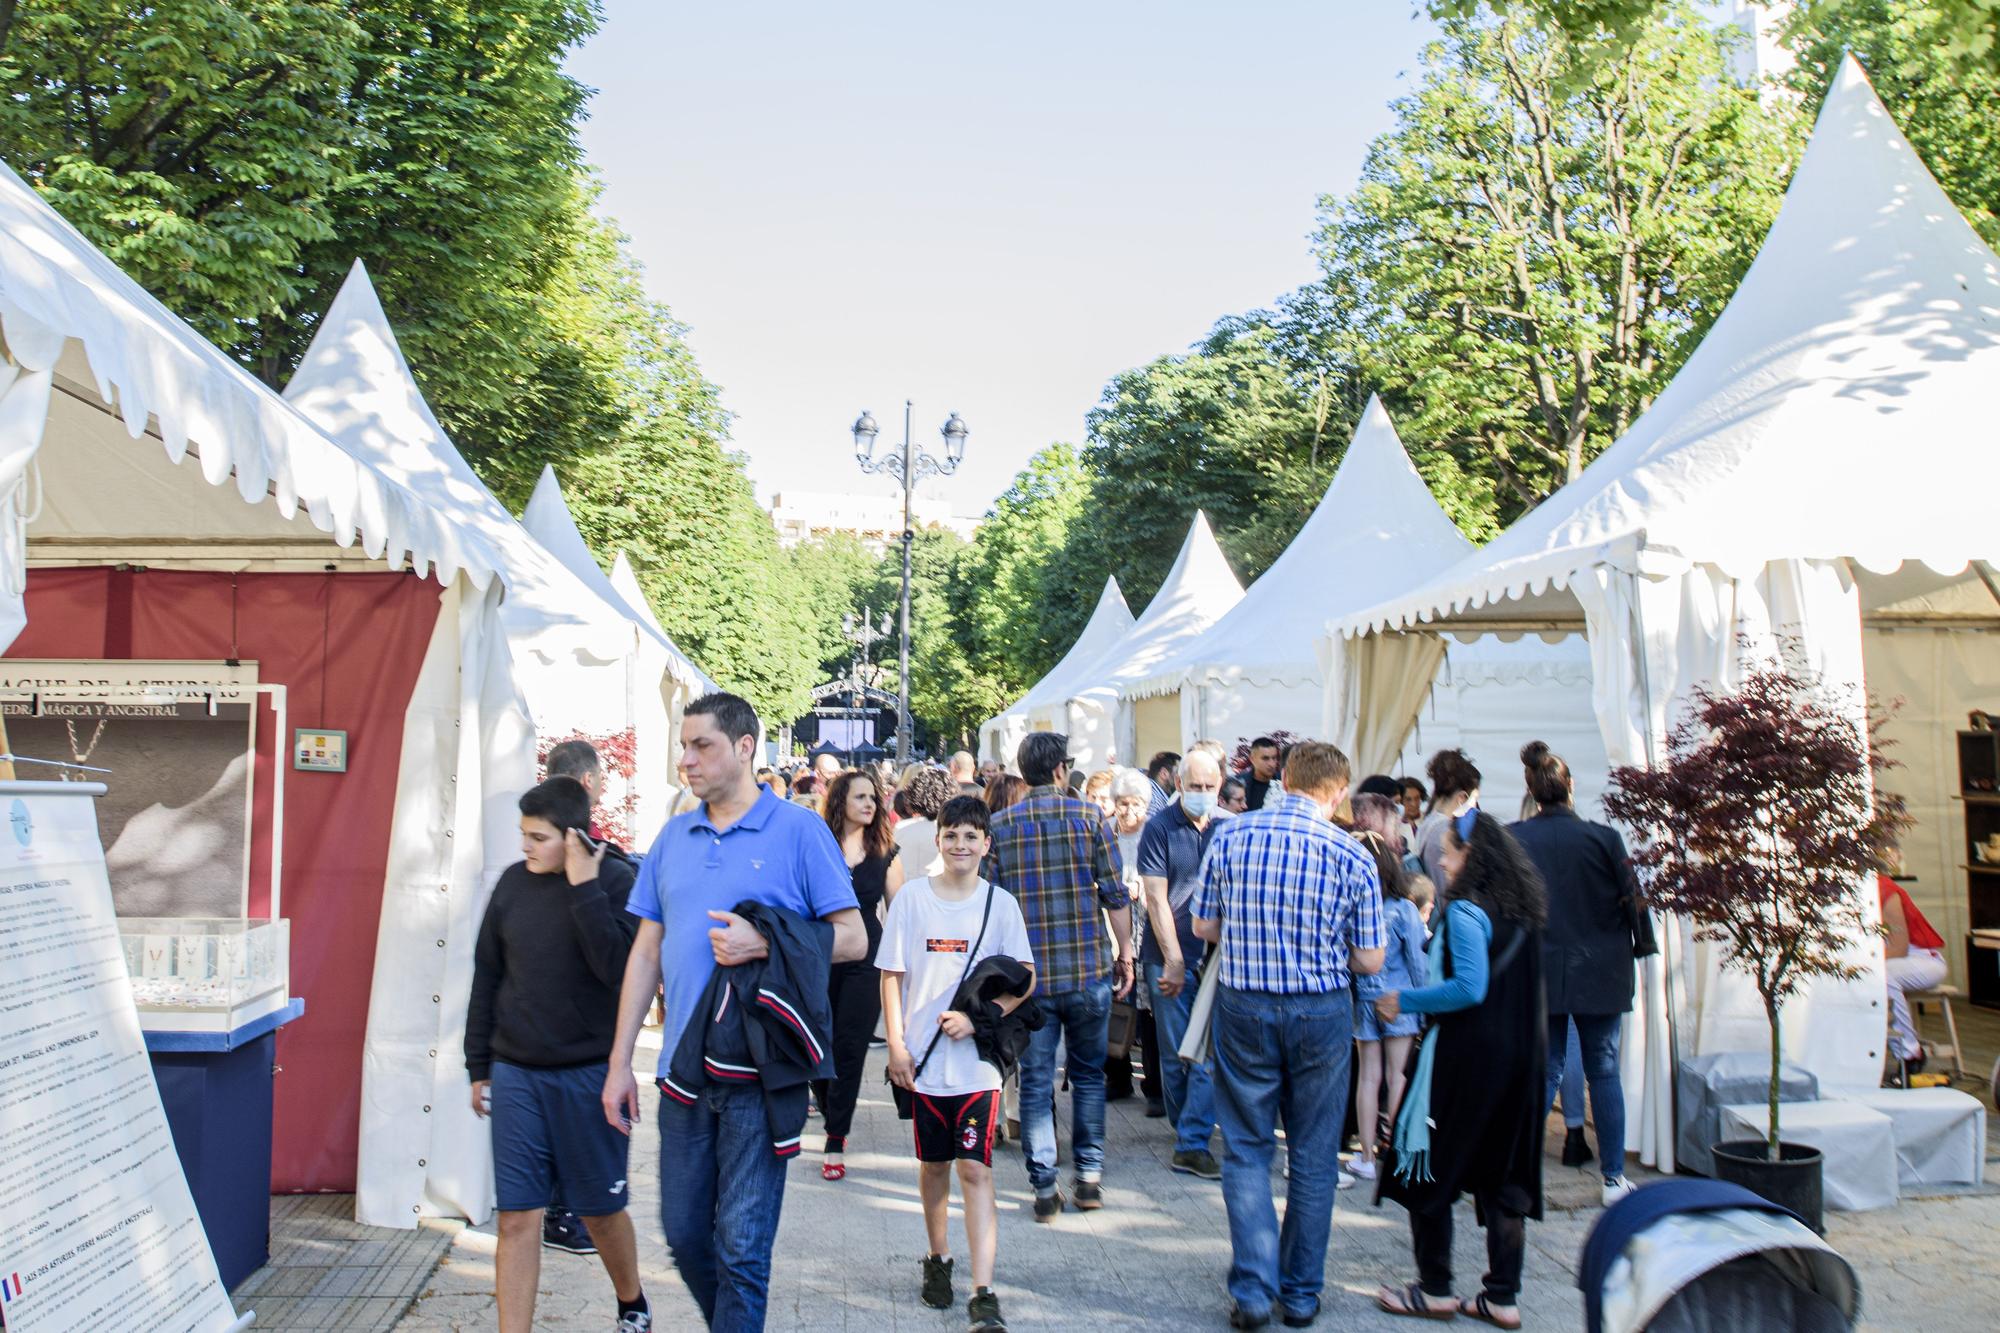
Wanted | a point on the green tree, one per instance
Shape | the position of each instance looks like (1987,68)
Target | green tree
(948,699)
(837,575)
(1233,428)
(1543,237)
(1018,546)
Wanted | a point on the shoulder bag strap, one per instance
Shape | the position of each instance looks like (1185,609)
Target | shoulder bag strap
(985,915)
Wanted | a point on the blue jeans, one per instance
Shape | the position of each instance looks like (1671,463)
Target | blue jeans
(1289,1055)
(1572,1081)
(1597,1041)
(1081,1020)
(1188,1093)
(721,1189)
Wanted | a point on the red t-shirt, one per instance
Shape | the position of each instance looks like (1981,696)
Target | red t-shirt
(1922,935)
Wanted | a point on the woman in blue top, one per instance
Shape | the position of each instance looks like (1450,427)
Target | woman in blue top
(1471,1120)
(1383,1047)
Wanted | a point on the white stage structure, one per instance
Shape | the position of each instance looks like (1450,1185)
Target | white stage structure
(1811,476)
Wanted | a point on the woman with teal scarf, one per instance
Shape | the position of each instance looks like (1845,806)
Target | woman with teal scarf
(1471,1120)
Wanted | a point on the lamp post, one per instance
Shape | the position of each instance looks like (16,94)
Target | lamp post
(909,466)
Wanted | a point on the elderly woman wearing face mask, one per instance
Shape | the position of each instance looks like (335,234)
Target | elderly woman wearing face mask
(1126,799)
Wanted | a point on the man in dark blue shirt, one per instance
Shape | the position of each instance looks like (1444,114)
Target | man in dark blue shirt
(1169,866)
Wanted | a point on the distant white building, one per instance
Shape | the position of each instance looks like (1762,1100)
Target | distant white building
(876,519)
(1761,57)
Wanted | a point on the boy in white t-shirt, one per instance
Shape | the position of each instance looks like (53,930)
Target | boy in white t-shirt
(930,943)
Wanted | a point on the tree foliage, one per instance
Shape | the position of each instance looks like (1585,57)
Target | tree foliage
(236,156)
(1544,236)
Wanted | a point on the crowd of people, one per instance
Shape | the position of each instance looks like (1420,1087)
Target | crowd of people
(1254,943)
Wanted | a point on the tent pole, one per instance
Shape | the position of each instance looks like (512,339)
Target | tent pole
(1670,936)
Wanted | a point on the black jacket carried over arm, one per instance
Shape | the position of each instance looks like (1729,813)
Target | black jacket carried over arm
(767,1022)
(1000,1038)
(1597,920)
(547,967)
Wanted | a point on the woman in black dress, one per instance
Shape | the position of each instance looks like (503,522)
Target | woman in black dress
(860,823)
(1471,1120)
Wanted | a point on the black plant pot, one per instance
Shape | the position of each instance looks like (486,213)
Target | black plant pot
(1793,1181)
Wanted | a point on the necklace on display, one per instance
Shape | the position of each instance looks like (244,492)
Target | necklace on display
(82,755)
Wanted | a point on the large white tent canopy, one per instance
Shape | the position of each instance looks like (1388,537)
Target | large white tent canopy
(104,394)
(1378,530)
(1808,479)
(1109,622)
(1199,590)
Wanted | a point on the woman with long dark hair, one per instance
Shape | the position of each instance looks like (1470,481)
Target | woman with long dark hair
(1471,1118)
(1597,926)
(859,819)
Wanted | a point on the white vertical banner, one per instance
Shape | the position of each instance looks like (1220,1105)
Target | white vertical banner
(97,1227)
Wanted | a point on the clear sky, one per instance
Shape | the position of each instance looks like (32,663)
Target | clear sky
(988,209)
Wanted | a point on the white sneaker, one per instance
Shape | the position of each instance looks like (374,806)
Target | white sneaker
(1361,1169)
(1617,1188)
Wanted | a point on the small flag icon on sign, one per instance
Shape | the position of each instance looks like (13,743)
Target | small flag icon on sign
(10,1287)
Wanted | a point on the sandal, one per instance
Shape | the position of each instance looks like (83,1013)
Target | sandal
(833,1171)
(1410,1303)
(1480,1308)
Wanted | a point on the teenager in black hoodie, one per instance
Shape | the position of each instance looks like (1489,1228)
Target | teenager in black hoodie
(538,1031)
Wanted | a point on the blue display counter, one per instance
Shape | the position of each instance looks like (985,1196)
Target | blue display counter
(216,1087)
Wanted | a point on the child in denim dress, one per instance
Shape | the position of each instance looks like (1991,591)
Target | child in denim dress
(1382,1049)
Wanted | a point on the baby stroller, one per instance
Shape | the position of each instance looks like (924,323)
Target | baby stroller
(1702,1256)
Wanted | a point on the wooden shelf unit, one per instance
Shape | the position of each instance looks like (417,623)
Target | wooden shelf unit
(1979,791)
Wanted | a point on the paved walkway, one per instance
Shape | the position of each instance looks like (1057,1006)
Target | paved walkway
(1155,1256)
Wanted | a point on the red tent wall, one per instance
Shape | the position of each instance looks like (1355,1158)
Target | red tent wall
(348,647)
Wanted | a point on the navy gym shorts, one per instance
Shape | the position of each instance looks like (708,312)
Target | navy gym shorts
(551,1144)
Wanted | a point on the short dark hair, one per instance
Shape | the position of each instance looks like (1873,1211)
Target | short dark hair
(1231,787)
(1040,755)
(1263,743)
(573,759)
(733,715)
(1164,759)
(1380,784)
(1413,784)
(961,811)
(560,800)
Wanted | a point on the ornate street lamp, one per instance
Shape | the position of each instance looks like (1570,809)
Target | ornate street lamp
(909,465)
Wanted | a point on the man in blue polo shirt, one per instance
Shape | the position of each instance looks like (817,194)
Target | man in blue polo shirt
(721,1187)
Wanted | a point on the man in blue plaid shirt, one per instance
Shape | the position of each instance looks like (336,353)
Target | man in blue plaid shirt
(1059,859)
(1296,906)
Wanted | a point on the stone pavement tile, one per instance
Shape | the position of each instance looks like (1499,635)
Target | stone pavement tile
(1156,1256)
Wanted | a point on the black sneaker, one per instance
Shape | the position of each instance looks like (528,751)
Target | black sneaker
(1155,1109)
(1087,1196)
(982,1312)
(1576,1148)
(937,1282)
(564,1230)
(1048,1207)
(636,1321)
(1242,1318)
(1201,1162)
(1302,1318)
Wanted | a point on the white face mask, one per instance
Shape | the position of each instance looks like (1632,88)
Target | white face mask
(1198,804)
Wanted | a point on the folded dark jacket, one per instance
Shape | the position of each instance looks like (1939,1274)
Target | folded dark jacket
(767,1022)
(1001,1038)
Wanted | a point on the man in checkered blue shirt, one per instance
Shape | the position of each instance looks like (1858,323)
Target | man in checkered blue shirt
(1059,859)
(1296,907)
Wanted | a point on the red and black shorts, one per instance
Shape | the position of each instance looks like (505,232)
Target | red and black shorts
(957,1128)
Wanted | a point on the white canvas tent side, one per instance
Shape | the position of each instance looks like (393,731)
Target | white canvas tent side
(1109,621)
(126,439)
(1804,480)
(1199,590)
(1378,530)
(666,679)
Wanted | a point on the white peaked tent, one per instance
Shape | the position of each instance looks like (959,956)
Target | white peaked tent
(1810,475)
(1108,623)
(126,439)
(666,679)
(1377,531)
(580,661)
(1199,590)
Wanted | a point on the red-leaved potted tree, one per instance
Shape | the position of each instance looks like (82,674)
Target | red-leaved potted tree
(1758,827)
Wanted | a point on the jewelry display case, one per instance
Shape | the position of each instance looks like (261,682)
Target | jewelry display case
(196,974)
